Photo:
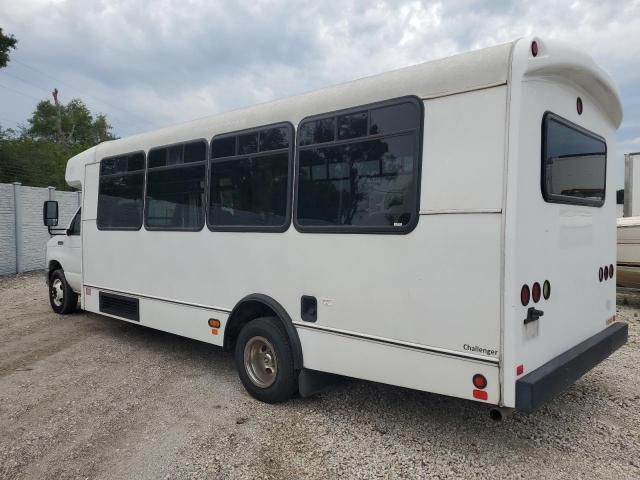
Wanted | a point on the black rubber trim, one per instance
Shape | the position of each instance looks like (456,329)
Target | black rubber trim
(537,387)
(284,317)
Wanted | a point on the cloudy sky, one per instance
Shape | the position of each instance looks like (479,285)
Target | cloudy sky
(148,63)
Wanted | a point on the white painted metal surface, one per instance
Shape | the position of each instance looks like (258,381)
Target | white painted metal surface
(428,309)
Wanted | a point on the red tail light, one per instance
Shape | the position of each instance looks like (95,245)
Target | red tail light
(479,381)
(611,271)
(534,49)
(525,295)
(535,292)
(600,274)
(606,273)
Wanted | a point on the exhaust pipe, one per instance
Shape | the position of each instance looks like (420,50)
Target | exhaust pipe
(500,413)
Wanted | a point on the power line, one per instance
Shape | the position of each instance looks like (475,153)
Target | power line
(21,93)
(28,82)
(84,94)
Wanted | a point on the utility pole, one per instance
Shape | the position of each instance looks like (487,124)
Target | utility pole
(59,134)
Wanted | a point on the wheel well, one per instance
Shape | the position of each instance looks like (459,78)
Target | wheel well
(53,266)
(256,306)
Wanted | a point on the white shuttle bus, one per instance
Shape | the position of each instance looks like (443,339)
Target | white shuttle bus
(447,227)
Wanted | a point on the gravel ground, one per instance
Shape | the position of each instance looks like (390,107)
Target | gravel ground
(84,396)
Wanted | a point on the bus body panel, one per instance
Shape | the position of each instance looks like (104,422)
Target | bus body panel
(399,287)
(397,365)
(565,244)
(463,152)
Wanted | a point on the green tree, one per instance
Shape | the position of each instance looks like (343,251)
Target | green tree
(7,42)
(71,124)
(37,155)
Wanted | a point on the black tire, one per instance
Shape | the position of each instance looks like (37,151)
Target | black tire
(284,379)
(58,286)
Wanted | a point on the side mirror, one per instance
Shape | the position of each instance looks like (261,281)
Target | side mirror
(50,213)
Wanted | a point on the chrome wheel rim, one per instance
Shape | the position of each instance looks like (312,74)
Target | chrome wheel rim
(260,362)
(57,292)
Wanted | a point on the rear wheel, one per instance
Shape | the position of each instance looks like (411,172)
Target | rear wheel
(61,296)
(265,361)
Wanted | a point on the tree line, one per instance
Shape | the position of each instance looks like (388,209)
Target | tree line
(36,153)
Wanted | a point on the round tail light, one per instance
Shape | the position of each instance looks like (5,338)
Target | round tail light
(611,271)
(606,273)
(600,274)
(525,295)
(535,292)
(546,289)
(479,381)
(534,48)
(579,106)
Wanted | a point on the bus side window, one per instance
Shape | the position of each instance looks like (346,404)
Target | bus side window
(175,187)
(250,181)
(358,171)
(120,192)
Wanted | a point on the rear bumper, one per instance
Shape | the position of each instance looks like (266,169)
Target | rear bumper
(537,387)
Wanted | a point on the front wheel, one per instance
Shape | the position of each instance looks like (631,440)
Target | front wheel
(265,361)
(61,296)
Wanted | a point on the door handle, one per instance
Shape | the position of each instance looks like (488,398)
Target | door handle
(533,315)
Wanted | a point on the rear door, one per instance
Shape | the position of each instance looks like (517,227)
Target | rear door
(560,227)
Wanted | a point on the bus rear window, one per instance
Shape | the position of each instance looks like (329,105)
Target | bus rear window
(574,163)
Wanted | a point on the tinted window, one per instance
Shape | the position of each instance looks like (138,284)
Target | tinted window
(574,163)
(249,191)
(175,187)
(360,184)
(120,193)
(274,139)
(178,154)
(174,198)
(352,125)
(74,227)
(318,131)
(365,184)
(223,147)
(248,143)
(393,118)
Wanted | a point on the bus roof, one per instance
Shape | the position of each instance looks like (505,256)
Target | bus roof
(469,71)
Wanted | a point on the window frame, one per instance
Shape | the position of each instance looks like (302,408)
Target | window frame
(144,190)
(205,199)
(290,165)
(419,132)
(564,199)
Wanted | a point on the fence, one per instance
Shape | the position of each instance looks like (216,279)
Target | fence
(22,236)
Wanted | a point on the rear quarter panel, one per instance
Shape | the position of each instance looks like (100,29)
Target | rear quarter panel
(565,244)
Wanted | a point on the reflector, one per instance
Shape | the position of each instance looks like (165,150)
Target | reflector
(535,292)
(479,381)
(525,295)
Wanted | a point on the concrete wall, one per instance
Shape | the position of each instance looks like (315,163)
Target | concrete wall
(22,236)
